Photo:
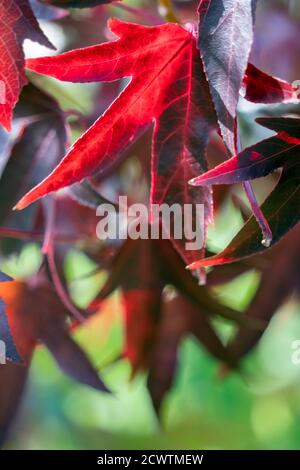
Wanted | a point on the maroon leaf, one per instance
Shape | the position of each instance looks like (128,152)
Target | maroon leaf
(29,325)
(180,317)
(12,383)
(259,87)
(282,210)
(261,158)
(164,359)
(37,150)
(278,281)
(17,24)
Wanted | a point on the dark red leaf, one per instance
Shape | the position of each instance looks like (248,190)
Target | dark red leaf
(12,383)
(30,324)
(162,368)
(284,126)
(260,159)
(37,151)
(259,87)
(278,281)
(17,24)
(281,209)
(38,148)
(180,317)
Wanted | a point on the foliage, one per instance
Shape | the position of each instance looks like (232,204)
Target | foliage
(170,132)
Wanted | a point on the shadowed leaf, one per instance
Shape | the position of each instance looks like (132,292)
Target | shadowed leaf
(17,24)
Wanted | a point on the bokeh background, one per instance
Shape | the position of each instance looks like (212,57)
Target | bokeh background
(258,408)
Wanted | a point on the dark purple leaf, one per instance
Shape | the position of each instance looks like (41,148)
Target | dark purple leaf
(224,41)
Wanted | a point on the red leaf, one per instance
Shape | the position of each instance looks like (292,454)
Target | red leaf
(261,158)
(282,210)
(17,24)
(259,87)
(168,86)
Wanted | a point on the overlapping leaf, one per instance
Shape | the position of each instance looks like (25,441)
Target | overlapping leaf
(154,325)
(35,314)
(259,159)
(38,148)
(17,24)
(168,86)
(13,380)
(224,40)
(259,87)
(279,280)
(281,207)
(179,318)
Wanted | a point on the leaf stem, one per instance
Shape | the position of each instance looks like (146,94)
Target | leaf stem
(257,212)
(35,235)
(49,253)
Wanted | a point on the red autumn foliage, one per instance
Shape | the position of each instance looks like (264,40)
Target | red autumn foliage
(183,84)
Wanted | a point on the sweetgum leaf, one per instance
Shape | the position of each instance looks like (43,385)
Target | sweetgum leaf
(281,209)
(168,86)
(224,41)
(17,24)
(179,318)
(164,358)
(173,93)
(284,126)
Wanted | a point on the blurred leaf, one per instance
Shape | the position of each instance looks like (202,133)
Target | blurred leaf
(279,280)
(76,3)
(46,12)
(12,383)
(29,324)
